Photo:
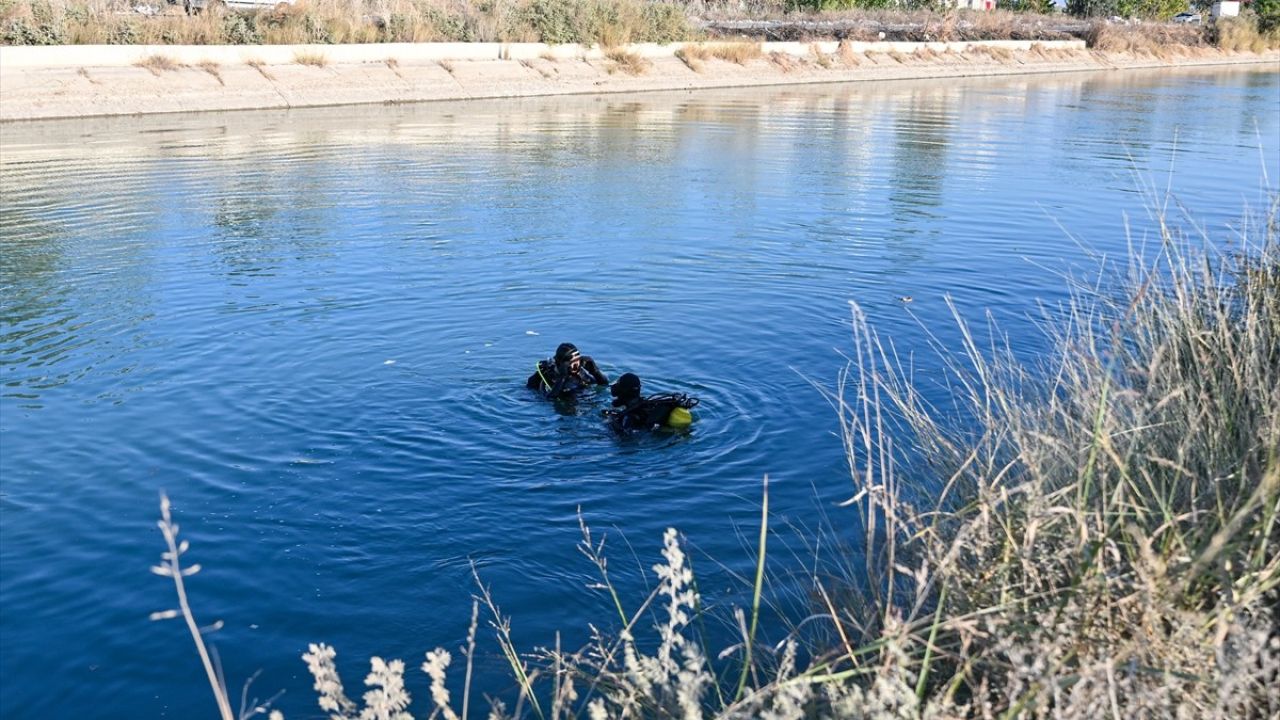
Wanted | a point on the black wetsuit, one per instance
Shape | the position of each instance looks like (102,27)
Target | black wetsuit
(551,383)
(648,413)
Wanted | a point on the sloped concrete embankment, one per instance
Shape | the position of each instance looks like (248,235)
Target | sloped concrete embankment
(82,81)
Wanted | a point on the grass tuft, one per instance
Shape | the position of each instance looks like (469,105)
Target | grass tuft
(261,66)
(628,62)
(739,53)
(311,59)
(822,59)
(847,55)
(783,61)
(213,69)
(1001,55)
(693,56)
(158,63)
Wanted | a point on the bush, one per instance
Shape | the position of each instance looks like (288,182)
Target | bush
(44,25)
(665,23)
(556,21)
(1242,34)
(240,29)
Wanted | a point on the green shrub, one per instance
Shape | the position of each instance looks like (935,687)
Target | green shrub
(123,32)
(316,31)
(1268,15)
(556,21)
(239,29)
(665,23)
(44,27)
(448,26)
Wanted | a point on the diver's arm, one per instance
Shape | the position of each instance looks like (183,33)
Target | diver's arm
(590,366)
(562,381)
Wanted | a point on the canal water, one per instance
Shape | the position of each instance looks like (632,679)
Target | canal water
(312,330)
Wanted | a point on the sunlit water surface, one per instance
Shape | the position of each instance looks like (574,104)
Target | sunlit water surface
(312,328)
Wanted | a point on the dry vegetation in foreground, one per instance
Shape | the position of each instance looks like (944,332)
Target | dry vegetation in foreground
(1096,536)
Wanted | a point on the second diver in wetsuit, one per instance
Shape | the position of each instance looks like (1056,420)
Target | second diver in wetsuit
(565,374)
(635,412)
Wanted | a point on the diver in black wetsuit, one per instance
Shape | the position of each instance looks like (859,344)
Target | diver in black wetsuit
(636,412)
(565,374)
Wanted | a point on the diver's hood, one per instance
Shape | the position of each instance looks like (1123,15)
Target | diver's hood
(626,389)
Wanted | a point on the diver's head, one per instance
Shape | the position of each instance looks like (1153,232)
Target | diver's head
(568,357)
(626,389)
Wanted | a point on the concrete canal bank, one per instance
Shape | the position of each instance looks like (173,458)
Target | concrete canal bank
(82,81)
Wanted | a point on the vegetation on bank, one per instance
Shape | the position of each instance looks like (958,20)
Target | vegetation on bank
(1097,535)
(609,23)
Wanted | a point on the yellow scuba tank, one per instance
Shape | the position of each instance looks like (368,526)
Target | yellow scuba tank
(679,418)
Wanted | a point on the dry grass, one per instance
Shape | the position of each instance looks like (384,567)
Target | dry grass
(866,24)
(261,67)
(311,59)
(693,56)
(531,65)
(82,72)
(739,53)
(822,59)
(213,69)
(897,57)
(926,54)
(1101,529)
(158,63)
(784,62)
(847,55)
(610,22)
(1002,55)
(1153,39)
(446,66)
(626,61)
(1241,35)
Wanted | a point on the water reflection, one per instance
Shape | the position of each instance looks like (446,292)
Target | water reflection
(279,187)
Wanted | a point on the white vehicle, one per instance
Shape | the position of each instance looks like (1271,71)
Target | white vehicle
(195,7)
(1188,18)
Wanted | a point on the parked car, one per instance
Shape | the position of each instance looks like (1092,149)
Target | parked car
(195,7)
(1188,18)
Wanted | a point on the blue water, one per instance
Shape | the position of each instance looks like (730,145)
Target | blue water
(312,328)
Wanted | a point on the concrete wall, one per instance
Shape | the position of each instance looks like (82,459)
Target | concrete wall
(75,56)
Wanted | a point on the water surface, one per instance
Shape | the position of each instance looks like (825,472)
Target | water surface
(312,329)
